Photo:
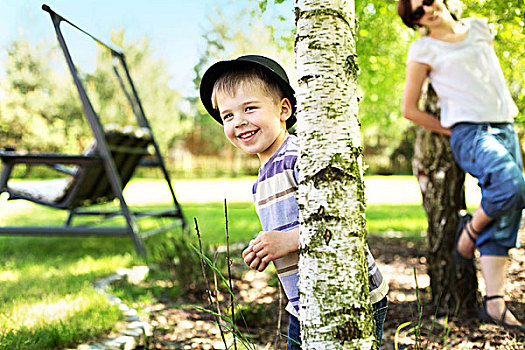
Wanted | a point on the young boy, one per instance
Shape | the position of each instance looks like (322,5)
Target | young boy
(252,98)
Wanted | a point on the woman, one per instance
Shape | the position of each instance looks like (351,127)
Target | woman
(477,112)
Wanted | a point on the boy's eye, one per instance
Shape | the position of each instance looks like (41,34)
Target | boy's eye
(250,108)
(227,116)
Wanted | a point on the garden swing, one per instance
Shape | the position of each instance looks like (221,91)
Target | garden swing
(100,173)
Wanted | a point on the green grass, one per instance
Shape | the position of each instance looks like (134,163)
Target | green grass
(47,299)
(408,218)
(243,223)
(46,295)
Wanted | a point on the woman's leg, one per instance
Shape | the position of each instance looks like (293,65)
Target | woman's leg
(494,270)
(492,155)
(466,245)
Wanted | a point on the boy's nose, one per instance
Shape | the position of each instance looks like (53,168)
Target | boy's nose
(241,122)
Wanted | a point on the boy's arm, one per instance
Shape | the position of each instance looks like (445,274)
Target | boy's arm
(270,245)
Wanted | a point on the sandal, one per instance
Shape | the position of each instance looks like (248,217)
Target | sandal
(484,316)
(462,261)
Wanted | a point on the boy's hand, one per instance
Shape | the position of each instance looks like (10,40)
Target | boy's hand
(270,245)
(251,259)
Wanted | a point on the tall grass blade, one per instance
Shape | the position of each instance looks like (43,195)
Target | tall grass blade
(217,319)
(420,314)
(278,329)
(232,329)
(228,260)
(215,284)
(396,335)
(238,333)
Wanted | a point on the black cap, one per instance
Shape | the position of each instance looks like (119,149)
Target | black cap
(268,65)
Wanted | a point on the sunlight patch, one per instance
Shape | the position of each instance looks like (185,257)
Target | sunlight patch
(47,312)
(9,276)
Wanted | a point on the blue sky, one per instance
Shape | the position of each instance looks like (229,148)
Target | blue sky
(173,27)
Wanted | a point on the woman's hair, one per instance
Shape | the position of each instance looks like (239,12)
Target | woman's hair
(404,10)
(246,77)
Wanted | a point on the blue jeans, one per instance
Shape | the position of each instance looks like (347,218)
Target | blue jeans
(490,152)
(380,309)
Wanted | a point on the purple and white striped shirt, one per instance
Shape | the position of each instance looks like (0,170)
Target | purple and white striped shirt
(275,201)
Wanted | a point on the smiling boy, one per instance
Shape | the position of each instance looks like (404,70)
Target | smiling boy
(253,100)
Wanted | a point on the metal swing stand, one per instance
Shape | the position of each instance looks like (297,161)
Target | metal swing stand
(100,174)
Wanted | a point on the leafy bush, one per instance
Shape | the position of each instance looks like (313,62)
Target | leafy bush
(174,254)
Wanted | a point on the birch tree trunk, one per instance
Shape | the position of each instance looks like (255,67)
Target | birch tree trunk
(335,310)
(442,184)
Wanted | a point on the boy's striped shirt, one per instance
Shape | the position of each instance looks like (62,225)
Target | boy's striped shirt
(276,204)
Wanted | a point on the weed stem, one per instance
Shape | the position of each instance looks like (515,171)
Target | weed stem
(232,298)
(217,319)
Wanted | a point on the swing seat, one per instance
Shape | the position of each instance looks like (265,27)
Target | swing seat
(88,182)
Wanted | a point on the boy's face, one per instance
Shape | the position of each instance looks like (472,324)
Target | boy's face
(253,121)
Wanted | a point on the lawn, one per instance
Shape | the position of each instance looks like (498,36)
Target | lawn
(46,292)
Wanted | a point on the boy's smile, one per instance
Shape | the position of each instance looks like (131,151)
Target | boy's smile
(253,121)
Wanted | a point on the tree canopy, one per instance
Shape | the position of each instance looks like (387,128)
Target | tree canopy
(41,109)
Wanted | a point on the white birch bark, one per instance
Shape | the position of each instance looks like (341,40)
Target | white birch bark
(335,310)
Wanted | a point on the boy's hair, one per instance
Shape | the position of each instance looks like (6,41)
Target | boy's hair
(243,77)
(252,70)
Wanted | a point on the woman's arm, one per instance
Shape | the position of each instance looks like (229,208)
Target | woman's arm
(415,76)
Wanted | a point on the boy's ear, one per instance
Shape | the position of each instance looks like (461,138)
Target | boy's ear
(286,109)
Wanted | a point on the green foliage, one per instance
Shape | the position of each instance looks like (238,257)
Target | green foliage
(381,49)
(36,112)
(42,110)
(160,102)
(174,253)
(506,20)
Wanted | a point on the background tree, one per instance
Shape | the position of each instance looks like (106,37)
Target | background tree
(335,310)
(25,120)
(442,184)
(379,52)
(41,109)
